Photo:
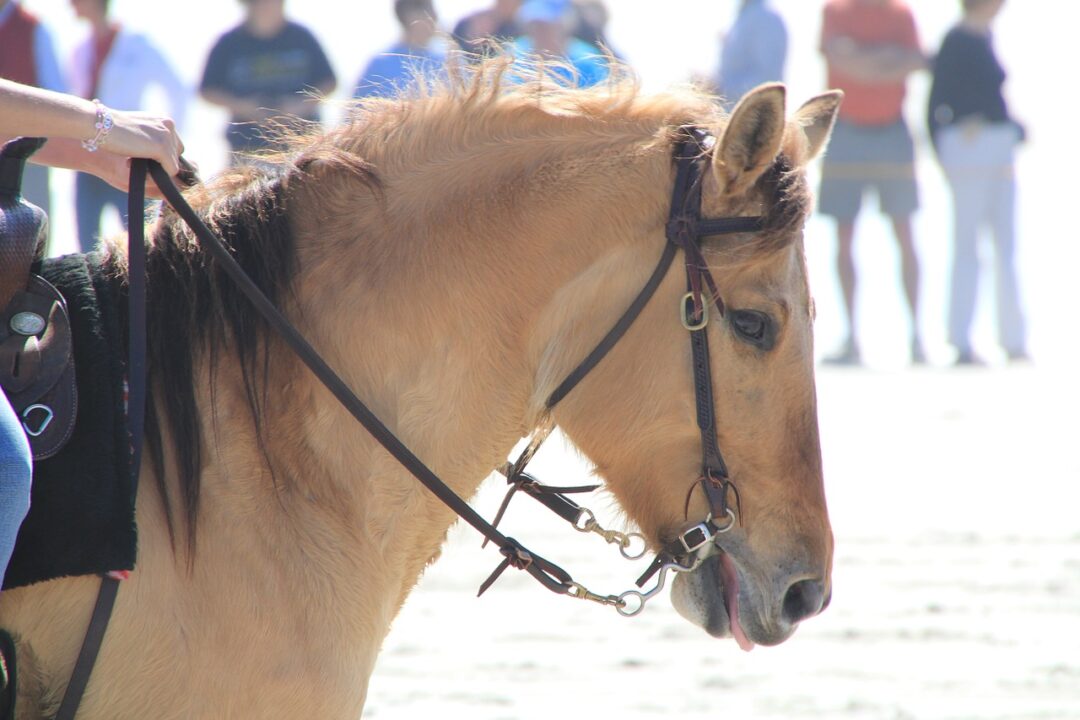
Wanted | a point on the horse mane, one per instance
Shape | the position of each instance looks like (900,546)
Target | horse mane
(197,312)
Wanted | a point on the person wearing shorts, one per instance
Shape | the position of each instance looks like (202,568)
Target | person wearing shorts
(870,48)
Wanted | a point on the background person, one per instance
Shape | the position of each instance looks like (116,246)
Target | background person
(497,23)
(119,67)
(266,67)
(413,55)
(28,56)
(975,139)
(590,21)
(547,35)
(870,48)
(754,51)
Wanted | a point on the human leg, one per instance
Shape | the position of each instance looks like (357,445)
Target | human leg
(89,204)
(843,180)
(894,153)
(15,477)
(910,275)
(846,274)
(1002,216)
(959,155)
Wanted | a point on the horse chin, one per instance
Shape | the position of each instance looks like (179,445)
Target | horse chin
(711,598)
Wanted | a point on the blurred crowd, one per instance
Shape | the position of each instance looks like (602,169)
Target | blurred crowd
(269,67)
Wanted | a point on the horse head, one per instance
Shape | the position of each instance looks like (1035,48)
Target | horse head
(635,417)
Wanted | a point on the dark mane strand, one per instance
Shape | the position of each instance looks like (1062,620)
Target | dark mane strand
(195,309)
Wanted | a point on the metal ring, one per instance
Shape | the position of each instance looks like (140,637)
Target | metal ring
(44,423)
(590,521)
(731,522)
(624,548)
(630,609)
(685,318)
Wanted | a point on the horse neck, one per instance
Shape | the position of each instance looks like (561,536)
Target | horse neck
(454,334)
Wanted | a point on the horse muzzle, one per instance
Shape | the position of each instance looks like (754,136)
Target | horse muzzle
(728,602)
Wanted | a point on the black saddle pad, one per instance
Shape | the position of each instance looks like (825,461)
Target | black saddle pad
(82,507)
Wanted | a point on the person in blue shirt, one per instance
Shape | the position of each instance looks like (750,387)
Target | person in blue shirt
(411,58)
(754,51)
(547,35)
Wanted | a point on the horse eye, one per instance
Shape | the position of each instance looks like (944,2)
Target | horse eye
(753,327)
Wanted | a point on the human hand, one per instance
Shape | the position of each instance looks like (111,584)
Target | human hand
(142,135)
(116,170)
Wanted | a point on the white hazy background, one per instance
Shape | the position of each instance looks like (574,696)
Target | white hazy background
(953,494)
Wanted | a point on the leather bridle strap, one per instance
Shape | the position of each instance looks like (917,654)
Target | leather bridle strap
(136,414)
(616,332)
(684,230)
(546,572)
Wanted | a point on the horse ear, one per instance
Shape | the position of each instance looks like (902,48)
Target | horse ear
(751,140)
(816,118)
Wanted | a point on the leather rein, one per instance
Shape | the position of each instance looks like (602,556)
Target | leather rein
(684,230)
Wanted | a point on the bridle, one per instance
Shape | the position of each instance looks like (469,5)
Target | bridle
(684,230)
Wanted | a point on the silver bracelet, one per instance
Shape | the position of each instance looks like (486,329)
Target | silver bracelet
(103,122)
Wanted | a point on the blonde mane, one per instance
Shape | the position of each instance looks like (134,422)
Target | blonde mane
(486,123)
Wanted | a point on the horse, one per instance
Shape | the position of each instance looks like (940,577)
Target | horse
(453,254)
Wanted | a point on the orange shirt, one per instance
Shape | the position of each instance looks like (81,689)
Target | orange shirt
(869,23)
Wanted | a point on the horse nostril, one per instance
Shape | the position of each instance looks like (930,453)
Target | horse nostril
(803,599)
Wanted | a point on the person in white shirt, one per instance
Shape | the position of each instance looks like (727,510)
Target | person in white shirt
(118,67)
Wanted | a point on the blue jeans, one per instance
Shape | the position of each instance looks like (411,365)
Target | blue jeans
(978,163)
(92,196)
(15,474)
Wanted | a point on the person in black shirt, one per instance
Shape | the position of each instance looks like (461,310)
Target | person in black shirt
(975,138)
(265,67)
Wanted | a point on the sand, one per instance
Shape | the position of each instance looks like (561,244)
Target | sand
(953,497)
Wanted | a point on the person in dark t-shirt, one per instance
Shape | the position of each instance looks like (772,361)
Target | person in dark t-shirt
(975,138)
(266,67)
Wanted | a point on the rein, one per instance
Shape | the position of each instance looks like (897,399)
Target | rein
(684,230)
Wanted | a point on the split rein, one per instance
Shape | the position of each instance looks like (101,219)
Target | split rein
(684,231)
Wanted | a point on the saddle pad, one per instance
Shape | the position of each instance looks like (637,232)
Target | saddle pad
(82,507)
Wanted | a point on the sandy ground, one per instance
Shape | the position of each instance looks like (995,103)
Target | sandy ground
(953,497)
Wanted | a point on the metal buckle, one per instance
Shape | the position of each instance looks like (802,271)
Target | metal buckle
(684,316)
(696,538)
(44,422)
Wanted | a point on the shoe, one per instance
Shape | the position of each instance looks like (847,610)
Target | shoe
(1019,357)
(967,358)
(918,356)
(848,356)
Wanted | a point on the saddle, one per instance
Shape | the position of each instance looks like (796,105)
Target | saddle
(37,370)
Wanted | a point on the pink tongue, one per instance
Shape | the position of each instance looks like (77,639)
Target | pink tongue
(731,600)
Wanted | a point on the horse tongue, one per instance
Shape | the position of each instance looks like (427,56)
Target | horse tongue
(730,579)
